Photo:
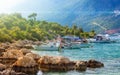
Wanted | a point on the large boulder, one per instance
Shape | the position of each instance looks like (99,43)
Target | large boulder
(25,61)
(2,67)
(25,51)
(61,59)
(56,63)
(33,55)
(25,64)
(94,64)
(12,54)
(53,60)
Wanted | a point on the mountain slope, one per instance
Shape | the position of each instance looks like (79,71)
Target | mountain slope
(101,12)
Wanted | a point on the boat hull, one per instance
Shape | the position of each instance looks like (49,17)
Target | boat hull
(46,48)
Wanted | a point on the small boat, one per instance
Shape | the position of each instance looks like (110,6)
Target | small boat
(115,37)
(51,46)
(73,42)
(76,45)
(100,38)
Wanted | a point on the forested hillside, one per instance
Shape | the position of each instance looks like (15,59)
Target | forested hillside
(16,27)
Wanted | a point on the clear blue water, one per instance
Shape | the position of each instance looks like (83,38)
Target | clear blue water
(109,54)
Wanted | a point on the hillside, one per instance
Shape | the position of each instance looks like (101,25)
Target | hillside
(85,12)
(16,27)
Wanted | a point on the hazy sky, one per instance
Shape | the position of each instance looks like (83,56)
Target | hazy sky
(42,7)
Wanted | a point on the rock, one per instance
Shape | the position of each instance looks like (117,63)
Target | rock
(61,59)
(11,72)
(28,46)
(12,54)
(5,45)
(24,44)
(21,44)
(34,56)
(58,63)
(7,61)
(81,66)
(25,64)
(2,50)
(94,64)
(25,51)
(2,67)
(37,43)
(25,61)
(53,60)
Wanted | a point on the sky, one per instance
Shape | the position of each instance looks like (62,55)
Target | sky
(43,8)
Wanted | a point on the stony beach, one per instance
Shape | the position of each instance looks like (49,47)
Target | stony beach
(16,58)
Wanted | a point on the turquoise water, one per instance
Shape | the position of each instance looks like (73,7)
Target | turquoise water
(109,54)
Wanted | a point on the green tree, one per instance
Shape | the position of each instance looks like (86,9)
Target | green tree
(33,16)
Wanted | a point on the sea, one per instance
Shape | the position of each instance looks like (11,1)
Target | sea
(107,53)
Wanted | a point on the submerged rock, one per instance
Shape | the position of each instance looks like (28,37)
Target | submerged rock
(25,64)
(94,64)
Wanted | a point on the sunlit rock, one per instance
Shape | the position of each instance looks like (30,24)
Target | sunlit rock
(12,54)
(25,64)
(33,55)
(25,51)
(55,63)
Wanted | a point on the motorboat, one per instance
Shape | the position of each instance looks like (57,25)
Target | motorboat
(50,46)
(101,38)
(73,42)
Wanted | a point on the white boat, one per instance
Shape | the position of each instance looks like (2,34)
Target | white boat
(73,42)
(115,37)
(51,46)
(73,45)
(100,38)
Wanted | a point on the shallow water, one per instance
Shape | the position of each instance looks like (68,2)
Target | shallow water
(109,54)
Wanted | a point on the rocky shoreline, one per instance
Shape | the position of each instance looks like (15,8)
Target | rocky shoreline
(17,59)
